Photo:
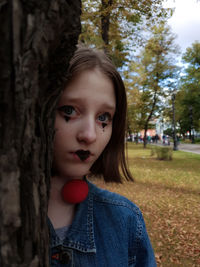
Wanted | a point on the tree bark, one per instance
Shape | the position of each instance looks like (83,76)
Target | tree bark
(38,39)
(155,99)
(105,20)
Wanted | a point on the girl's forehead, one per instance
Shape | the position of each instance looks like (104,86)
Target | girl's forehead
(89,78)
(90,86)
(87,71)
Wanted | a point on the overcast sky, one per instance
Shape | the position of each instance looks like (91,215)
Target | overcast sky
(185,22)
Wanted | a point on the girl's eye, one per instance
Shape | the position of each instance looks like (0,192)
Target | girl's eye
(105,117)
(68,110)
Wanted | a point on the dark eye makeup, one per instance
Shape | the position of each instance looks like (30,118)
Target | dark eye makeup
(68,111)
(104,125)
(105,118)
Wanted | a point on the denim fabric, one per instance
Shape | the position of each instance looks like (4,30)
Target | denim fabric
(108,231)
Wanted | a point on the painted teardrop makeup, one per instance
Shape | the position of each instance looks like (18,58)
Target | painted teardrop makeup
(64,109)
(67,118)
(104,125)
(103,118)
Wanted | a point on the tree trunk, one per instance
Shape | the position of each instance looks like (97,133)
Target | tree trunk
(38,39)
(145,135)
(105,20)
(155,98)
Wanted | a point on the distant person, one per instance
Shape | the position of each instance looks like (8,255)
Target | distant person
(156,138)
(149,139)
(164,139)
(167,140)
(177,140)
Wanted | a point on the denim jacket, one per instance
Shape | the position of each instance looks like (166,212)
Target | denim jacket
(108,231)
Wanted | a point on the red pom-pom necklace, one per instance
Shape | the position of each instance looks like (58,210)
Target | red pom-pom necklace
(75,191)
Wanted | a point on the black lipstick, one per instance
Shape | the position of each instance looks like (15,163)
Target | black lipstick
(83,154)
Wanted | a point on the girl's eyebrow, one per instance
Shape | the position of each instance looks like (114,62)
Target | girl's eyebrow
(82,101)
(108,106)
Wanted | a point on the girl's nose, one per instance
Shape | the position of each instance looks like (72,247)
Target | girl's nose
(87,131)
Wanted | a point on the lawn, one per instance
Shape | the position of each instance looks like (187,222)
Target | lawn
(168,193)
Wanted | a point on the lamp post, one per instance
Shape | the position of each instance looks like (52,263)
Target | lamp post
(175,147)
(191,123)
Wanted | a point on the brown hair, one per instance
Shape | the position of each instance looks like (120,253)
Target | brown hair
(112,160)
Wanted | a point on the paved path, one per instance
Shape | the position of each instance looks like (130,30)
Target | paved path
(193,148)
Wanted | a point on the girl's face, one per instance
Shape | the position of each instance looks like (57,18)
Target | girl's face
(83,123)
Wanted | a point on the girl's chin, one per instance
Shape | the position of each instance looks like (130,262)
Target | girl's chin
(74,175)
(72,172)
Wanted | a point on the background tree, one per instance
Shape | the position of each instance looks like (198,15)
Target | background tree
(190,84)
(117,25)
(151,75)
(183,113)
(133,118)
(37,40)
(188,97)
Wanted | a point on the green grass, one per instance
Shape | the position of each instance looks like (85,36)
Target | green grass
(168,193)
(182,172)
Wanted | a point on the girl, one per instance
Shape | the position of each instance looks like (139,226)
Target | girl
(89,226)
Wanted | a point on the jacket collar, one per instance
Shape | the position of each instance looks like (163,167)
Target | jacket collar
(80,235)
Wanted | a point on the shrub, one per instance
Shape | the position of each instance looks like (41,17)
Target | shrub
(162,153)
(197,140)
